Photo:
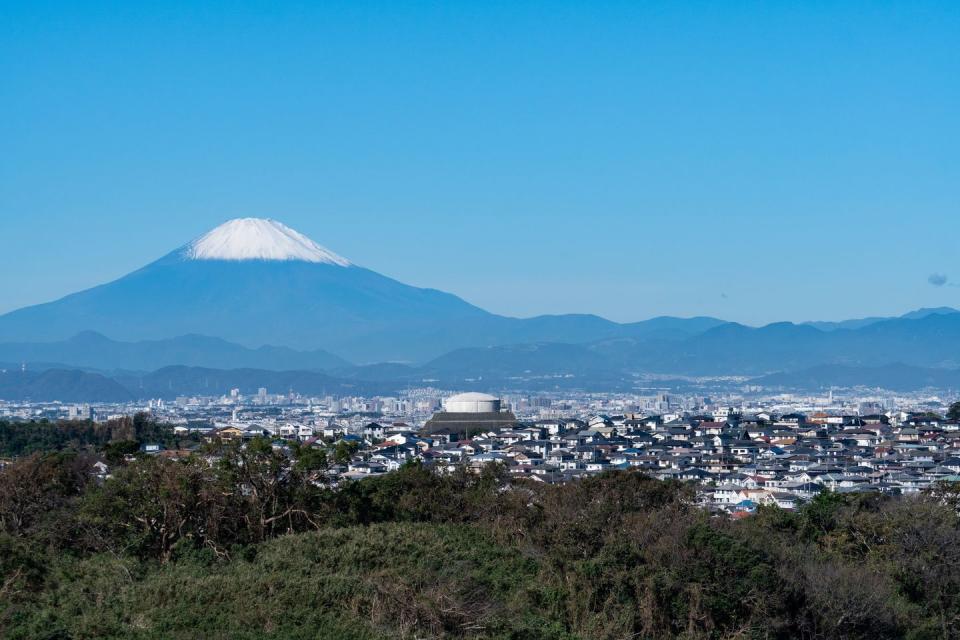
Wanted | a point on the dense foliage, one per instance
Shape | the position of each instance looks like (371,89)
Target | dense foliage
(242,544)
(21,438)
(953,413)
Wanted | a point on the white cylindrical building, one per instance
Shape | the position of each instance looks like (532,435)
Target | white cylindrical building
(472,403)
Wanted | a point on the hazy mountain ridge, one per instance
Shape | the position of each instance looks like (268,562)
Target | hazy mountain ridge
(895,376)
(927,343)
(540,367)
(859,323)
(96,351)
(61,384)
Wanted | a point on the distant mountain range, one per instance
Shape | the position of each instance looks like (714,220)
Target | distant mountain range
(171,382)
(215,302)
(62,385)
(931,340)
(926,340)
(859,323)
(922,341)
(95,351)
(896,377)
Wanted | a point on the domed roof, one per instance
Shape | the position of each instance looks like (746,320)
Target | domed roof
(472,396)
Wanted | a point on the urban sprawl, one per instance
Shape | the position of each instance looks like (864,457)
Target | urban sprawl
(742,450)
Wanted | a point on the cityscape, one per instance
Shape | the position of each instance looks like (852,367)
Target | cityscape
(480,321)
(742,449)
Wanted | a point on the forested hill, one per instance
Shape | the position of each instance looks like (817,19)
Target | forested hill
(65,385)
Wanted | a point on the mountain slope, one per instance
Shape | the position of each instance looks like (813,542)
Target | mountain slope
(859,323)
(282,300)
(62,385)
(899,377)
(257,282)
(929,341)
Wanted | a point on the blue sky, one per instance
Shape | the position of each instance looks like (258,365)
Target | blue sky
(756,161)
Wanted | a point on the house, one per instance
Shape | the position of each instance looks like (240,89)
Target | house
(98,469)
(226,434)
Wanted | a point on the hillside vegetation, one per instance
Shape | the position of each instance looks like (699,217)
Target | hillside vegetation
(243,545)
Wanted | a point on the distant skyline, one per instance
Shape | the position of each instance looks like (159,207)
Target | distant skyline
(755,162)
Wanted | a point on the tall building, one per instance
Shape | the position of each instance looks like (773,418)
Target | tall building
(79,412)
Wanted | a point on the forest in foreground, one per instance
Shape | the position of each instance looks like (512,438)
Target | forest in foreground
(250,543)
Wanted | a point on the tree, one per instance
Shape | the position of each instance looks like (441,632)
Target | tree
(116,451)
(276,496)
(953,413)
(310,459)
(34,489)
(344,451)
(155,505)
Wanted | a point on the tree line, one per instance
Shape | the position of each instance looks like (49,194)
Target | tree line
(18,438)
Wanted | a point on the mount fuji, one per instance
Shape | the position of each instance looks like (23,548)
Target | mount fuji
(257,282)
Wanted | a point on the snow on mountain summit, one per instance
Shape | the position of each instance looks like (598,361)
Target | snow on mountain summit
(259,239)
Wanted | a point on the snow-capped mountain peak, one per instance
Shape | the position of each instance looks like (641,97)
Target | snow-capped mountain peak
(259,239)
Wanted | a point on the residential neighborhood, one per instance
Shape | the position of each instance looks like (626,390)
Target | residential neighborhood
(739,453)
